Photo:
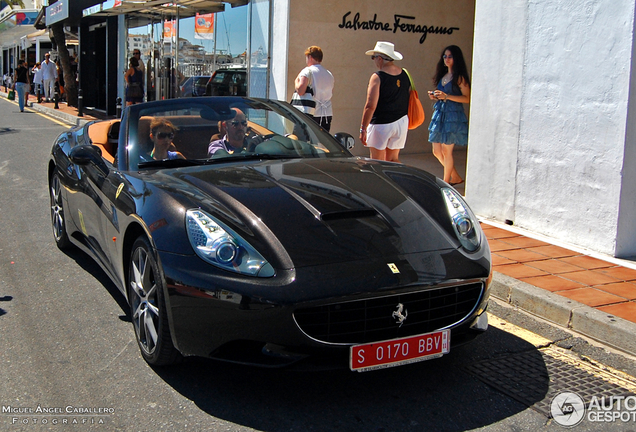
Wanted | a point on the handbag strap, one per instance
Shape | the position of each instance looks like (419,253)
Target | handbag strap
(410,79)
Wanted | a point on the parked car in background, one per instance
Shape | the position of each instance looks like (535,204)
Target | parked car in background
(228,82)
(194,86)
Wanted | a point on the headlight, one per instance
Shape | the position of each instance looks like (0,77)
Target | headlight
(464,222)
(219,245)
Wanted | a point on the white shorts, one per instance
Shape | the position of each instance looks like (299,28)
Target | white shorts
(389,135)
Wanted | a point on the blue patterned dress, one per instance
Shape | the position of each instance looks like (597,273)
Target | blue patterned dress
(449,124)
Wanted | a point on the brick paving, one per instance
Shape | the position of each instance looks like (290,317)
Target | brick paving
(592,281)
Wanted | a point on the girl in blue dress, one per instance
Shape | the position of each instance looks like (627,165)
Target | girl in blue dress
(449,125)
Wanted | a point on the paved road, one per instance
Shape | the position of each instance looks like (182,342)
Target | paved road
(66,343)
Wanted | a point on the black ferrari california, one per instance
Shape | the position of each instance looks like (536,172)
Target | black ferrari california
(240,230)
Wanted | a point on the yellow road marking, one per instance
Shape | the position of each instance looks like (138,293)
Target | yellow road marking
(528,336)
(585,363)
(53,119)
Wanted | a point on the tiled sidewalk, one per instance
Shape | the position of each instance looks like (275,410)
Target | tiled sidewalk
(603,285)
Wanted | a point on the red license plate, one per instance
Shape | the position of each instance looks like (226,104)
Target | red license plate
(379,355)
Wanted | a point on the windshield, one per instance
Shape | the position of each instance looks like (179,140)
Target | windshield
(214,129)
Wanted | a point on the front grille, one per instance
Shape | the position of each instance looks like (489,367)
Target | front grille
(372,320)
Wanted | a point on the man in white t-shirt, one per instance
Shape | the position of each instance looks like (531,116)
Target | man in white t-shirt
(321,81)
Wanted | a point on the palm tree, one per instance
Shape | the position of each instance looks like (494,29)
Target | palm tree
(69,80)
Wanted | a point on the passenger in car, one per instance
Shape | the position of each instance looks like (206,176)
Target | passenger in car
(161,133)
(235,139)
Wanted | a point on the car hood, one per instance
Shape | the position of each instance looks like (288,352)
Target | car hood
(322,210)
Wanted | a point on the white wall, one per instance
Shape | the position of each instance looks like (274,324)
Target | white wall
(280,50)
(549,120)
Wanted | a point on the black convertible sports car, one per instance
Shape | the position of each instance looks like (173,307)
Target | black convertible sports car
(284,250)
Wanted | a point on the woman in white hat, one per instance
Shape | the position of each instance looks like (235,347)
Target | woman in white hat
(385,116)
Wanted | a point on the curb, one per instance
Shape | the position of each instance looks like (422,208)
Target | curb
(60,115)
(601,326)
(71,119)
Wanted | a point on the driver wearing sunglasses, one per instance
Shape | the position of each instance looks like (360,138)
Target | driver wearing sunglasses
(161,133)
(236,139)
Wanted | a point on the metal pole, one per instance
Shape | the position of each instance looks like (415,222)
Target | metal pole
(177,81)
(80,103)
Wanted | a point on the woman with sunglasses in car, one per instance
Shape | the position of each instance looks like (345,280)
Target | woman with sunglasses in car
(161,134)
(449,125)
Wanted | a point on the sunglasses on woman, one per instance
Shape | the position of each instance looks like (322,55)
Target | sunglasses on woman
(164,135)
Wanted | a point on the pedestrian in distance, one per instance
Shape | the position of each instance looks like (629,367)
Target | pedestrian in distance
(385,122)
(49,76)
(37,80)
(321,81)
(21,83)
(449,125)
(59,86)
(134,83)
(140,66)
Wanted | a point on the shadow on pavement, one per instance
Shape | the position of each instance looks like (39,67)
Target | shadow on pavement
(434,395)
(90,266)
(5,298)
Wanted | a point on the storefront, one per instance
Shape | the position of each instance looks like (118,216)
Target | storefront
(191,38)
(176,40)
(15,26)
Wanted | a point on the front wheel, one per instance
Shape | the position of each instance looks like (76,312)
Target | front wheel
(58,221)
(148,306)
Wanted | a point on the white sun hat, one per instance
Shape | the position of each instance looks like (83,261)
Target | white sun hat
(386,48)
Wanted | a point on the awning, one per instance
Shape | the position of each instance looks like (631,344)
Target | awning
(186,8)
(11,37)
(36,34)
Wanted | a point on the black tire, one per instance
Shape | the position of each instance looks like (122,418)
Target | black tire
(58,219)
(148,307)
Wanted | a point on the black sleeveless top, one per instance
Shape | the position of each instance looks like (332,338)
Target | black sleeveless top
(393,103)
(22,74)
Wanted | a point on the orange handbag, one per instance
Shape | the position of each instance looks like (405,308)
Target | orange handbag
(416,112)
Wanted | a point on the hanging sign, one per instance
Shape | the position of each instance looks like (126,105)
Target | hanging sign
(168,29)
(204,26)
(56,12)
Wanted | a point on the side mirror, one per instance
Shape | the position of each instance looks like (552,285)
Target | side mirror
(345,140)
(88,154)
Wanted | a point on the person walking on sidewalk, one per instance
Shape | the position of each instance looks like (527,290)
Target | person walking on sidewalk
(37,80)
(449,125)
(49,76)
(322,82)
(21,83)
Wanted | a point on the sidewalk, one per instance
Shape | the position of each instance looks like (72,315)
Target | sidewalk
(63,112)
(592,294)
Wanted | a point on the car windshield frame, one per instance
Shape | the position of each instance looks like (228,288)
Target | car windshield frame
(275,130)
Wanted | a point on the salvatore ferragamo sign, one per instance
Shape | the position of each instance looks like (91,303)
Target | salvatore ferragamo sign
(402,23)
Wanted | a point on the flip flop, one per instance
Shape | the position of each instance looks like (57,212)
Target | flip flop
(454,184)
